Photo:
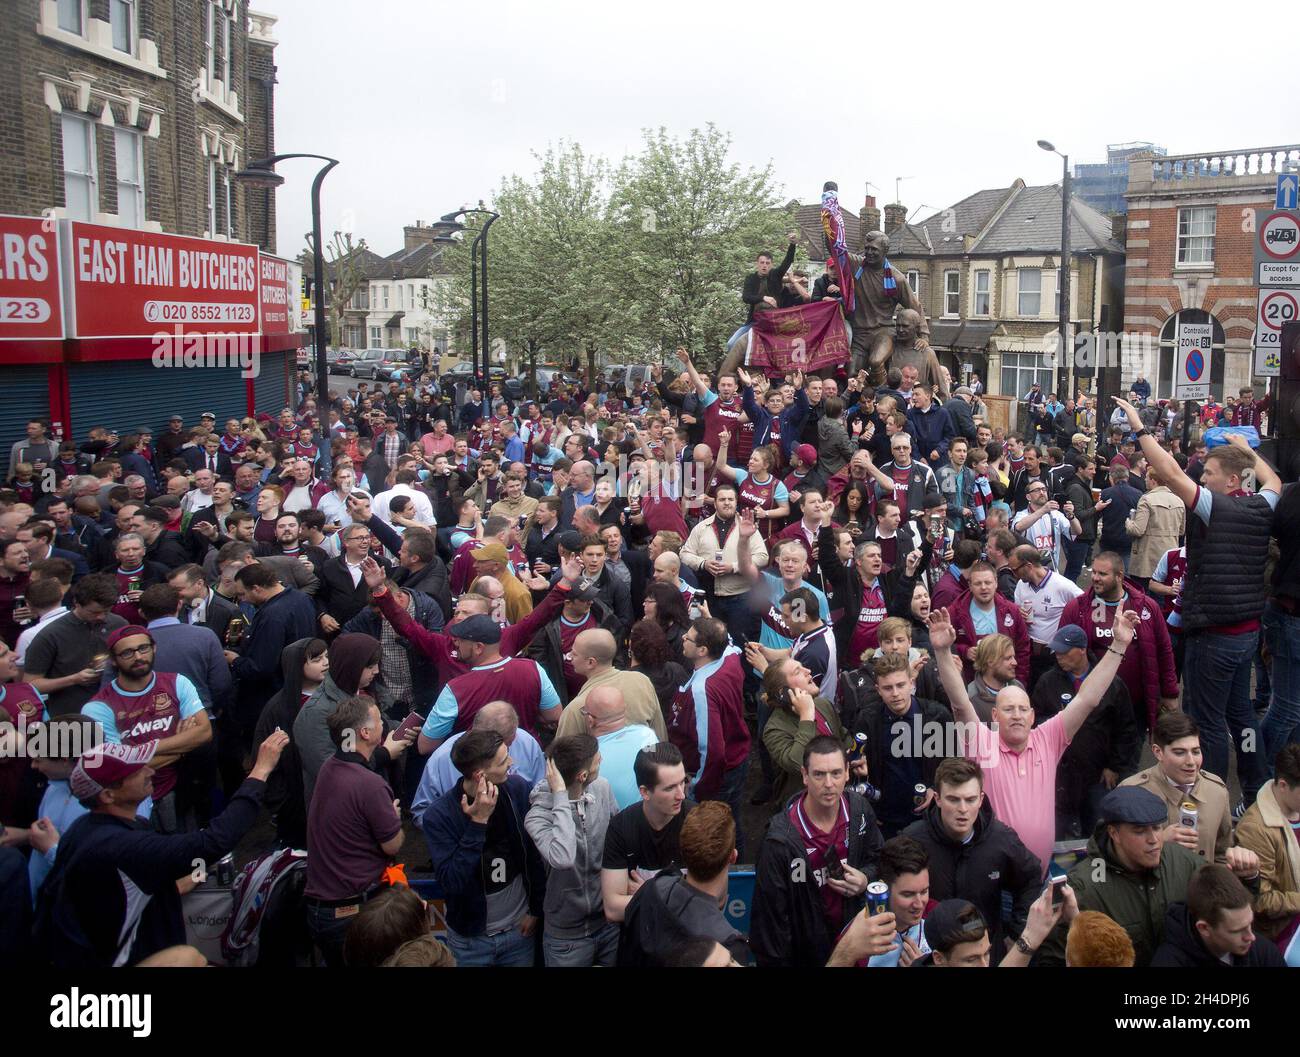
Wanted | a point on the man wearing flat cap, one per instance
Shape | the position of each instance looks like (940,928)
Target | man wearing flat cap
(1131,873)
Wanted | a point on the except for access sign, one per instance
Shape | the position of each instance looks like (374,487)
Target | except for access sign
(1277,247)
(31,305)
(1192,377)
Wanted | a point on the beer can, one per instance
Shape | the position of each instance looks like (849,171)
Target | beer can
(717,556)
(919,792)
(226,871)
(877,898)
(1188,814)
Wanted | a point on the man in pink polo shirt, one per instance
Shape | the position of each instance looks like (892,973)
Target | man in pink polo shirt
(1019,759)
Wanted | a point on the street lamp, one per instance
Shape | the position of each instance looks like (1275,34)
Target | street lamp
(261,173)
(1066,349)
(480,242)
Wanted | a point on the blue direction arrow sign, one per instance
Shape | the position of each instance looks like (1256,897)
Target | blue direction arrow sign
(1288,190)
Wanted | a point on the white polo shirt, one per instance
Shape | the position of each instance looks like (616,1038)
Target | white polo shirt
(1048,600)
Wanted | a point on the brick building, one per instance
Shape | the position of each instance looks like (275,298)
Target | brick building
(135,115)
(1191,255)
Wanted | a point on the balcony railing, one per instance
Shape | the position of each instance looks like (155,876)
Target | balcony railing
(1259,161)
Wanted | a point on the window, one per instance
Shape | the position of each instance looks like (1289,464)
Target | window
(212,197)
(129,148)
(410,294)
(1058,294)
(385,295)
(220,195)
(1029,295)
(412,336)
(399,295)
(951,291)
(210,40)
(376,336)
(1196,235)
(914,281)
(225,49)
(983,306)
(1020,370)
(121,17)
(71,15)
(229,230)
(80,190)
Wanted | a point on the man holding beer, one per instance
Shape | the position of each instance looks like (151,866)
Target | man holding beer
(1200,818)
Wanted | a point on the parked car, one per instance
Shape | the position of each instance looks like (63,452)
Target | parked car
(339,360)
(379,364)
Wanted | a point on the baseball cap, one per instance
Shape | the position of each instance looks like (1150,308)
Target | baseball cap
(1068,637)
(571,541)
(108,764)
(1128,803)
(478,628)
(807,454)
(950,919)
(126,633)
(585,592)
(490,552)
(209,414)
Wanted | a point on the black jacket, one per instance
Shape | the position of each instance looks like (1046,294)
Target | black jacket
(1184,949)
(1109,737)
(110,870)
(788,926)
(545,647)
(922,485)
(1079,492)
(665,911)
(219,613)
(168,550)
(845,582)
(863,712)
(338,596)
(963,418)
(993,861)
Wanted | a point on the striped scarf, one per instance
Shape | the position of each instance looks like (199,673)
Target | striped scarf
(891,285)
(833,226)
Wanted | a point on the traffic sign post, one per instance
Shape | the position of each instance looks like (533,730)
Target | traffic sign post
(1192,372)
(1276,307)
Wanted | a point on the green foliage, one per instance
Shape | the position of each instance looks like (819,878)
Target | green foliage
(623,263)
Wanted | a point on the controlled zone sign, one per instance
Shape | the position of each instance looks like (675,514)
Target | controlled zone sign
(1192,372)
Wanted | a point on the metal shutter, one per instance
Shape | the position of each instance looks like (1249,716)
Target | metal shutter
(125,395)
(271,386)
(24,394)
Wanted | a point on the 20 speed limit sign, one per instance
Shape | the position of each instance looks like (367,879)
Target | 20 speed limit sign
(1276,308)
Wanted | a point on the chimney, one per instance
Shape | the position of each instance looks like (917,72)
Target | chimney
(870,218)
(895,217)
(417,234)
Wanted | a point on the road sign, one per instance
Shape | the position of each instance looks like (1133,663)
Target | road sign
(1277,247)
(1192,377)
(1288,190)
(1276,307)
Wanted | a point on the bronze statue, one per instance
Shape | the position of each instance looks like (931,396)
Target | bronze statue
(878,294)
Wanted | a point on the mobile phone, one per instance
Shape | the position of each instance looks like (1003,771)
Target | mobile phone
(834,865)
(1057,879)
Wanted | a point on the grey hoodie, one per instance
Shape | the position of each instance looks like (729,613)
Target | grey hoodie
(570,836)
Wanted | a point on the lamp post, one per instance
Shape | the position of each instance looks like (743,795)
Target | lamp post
(1066,348)
(261,173)
(479,244)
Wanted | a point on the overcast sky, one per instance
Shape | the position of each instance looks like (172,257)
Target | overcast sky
(427,104)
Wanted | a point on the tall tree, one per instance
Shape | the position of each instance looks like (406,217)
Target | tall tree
(691,222)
